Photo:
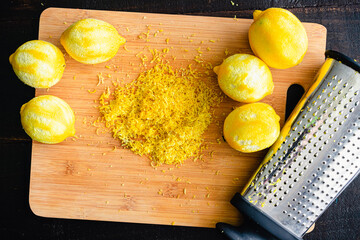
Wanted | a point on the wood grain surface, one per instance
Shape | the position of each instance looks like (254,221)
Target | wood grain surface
(83,178)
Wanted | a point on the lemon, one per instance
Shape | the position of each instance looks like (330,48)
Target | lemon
(48,119)
(252,127)
(244,78)
(278,37)
(91,41)
(38,63)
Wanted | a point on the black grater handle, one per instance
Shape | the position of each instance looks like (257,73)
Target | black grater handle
(248,231)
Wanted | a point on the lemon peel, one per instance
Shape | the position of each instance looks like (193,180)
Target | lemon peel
(252,127)
(48,119)
(278,37)
(91,41)
(244,78)
(38,63)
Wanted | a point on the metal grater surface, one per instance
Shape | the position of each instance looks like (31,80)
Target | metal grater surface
(316,155)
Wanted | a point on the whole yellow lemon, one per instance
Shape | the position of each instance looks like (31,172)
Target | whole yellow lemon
(48,119)
(91,41)
(38,63)
(252,127)
(244,78)
(278,37)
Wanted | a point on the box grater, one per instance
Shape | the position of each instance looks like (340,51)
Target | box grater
(315,157)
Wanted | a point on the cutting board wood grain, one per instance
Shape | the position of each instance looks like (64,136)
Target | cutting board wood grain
(91,176)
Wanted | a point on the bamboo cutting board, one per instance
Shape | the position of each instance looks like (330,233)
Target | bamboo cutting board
(85,178)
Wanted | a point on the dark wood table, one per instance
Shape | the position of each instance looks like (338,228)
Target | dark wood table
(19,23)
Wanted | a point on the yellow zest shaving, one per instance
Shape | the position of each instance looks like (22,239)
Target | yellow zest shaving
(100,79)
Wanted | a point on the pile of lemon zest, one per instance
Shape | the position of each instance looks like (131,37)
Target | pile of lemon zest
(162,114)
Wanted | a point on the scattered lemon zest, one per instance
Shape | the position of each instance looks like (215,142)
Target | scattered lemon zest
(100,79)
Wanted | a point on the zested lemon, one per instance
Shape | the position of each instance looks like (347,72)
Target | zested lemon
(38,63)
(244,78)
(91,41)
(48,119)
(252,127)
(278,37)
